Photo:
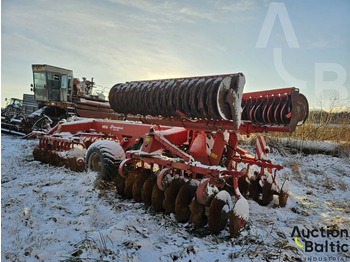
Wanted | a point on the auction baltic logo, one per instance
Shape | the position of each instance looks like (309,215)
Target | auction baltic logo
(332,239)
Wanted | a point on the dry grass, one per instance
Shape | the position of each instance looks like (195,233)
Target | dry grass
(341,184)
(328,183)
(322,126)
(344,149)
(296,171)
(270,246)
(295,167)
(89,246)
(340,206)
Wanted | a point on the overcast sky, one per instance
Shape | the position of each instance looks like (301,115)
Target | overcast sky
(275,44)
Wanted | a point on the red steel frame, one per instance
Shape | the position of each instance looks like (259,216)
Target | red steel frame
(156,136)
(166,137)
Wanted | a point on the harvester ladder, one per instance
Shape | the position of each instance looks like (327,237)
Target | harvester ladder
(71,109)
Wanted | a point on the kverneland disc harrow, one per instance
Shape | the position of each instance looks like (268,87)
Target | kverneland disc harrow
(180,152)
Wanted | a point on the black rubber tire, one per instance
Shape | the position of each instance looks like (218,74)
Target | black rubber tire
(104,157)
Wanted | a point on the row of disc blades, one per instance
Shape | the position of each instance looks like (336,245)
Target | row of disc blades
(286,109)
(267,110)
(209,97)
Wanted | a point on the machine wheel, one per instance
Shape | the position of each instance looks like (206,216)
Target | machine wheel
(197,217)
(137,186)
(219,211)
(183,201)
(147,189)
(157,198)
(170,195)
(104,157)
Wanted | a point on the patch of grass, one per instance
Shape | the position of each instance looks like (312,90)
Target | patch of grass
(344,149)
(271,246)
(296,171)
(340,183)
(329,183)
(322,126)
(88,249)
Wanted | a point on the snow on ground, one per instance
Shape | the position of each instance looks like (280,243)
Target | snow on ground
(51,214)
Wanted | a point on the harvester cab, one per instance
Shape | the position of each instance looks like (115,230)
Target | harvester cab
(57,96)
(52,84)
(65,96)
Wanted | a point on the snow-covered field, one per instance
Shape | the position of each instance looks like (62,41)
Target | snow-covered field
(54,214)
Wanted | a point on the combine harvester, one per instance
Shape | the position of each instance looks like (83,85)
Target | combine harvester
(177,148)
(57,95)
(65,96)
